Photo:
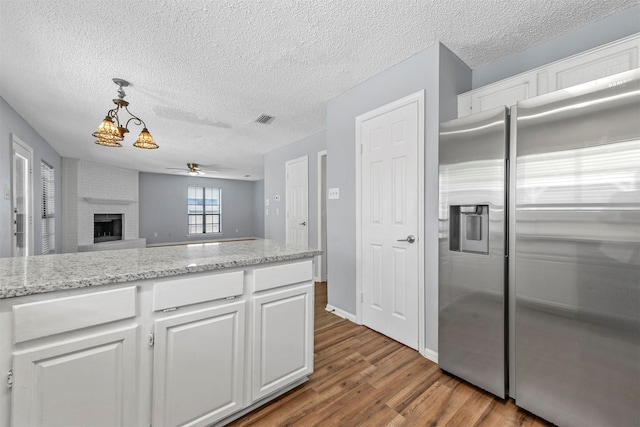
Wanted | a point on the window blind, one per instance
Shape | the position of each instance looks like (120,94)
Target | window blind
(48,208)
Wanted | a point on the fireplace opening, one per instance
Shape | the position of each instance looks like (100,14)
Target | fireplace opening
(107,227)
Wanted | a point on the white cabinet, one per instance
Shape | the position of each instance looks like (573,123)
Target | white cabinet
(74,358)
(282,327)
(198,366)
(86,381)
(189,350)
(606,60)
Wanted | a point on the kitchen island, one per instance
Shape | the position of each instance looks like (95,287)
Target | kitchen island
(179,335)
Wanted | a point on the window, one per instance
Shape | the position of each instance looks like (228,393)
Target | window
(204,209)
(48,209)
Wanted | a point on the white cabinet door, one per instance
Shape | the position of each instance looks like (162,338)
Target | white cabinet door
(507,92)
(198,366)
(594,64)
(87,381)
(282,338)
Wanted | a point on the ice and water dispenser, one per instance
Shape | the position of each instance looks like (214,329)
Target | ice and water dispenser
(469,228)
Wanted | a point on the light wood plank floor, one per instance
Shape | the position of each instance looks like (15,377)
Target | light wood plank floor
(363,378)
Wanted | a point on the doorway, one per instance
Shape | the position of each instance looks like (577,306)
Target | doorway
(22,199)
(390,219)
(297,201)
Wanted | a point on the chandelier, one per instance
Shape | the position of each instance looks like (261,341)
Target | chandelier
(110,134)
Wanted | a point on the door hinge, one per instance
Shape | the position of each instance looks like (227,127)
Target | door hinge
(361,296)
(10,378)
(361,149)
(152,339)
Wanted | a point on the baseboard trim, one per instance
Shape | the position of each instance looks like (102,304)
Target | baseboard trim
(341,313)
(431,355)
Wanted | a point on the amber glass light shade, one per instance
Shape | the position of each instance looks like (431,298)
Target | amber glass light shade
(108,142)
(107,131)
(145,140)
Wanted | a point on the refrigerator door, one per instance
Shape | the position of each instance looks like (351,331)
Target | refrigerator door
(577,267)
(471,336)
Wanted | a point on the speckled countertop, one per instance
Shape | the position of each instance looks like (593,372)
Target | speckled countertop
(48,273)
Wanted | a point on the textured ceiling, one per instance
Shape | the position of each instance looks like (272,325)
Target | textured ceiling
(203,71)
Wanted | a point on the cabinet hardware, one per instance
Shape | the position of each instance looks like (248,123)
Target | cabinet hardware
(151,339)
(10,379)
(166,310)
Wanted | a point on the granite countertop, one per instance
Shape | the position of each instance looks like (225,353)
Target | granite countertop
(49,273)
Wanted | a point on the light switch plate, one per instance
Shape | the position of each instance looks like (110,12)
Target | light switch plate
(334,193)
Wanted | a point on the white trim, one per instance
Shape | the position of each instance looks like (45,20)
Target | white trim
(341,313)
(419,98)
(30,229)
(430,354)
(318,276)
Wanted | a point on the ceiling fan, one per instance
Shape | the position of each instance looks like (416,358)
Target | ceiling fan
(194,169)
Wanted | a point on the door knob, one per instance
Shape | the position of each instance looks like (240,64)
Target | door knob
(303,223)
(410,238)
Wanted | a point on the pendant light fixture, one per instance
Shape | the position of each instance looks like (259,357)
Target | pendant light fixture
(110,133)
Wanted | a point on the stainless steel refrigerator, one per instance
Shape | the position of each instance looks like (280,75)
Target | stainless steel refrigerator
(539,274)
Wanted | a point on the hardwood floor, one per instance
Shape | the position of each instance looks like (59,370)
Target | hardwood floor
(363,378)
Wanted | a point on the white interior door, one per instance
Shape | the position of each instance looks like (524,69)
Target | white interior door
(297,194)
(21,206)
(390,219)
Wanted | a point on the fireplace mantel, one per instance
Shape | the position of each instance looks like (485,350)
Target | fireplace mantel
(99,201)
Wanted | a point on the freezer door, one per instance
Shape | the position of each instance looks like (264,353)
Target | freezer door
(577,249)
(471,326)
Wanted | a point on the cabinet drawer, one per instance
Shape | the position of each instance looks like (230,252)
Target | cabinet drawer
(282,275)
(41,319)
(193,290)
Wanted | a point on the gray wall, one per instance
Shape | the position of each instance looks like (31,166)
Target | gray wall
(12,123)
(435,70)
(275,184)
(258,208)
(611,28)
(163,207)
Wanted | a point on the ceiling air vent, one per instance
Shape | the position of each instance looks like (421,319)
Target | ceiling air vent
(265,119)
